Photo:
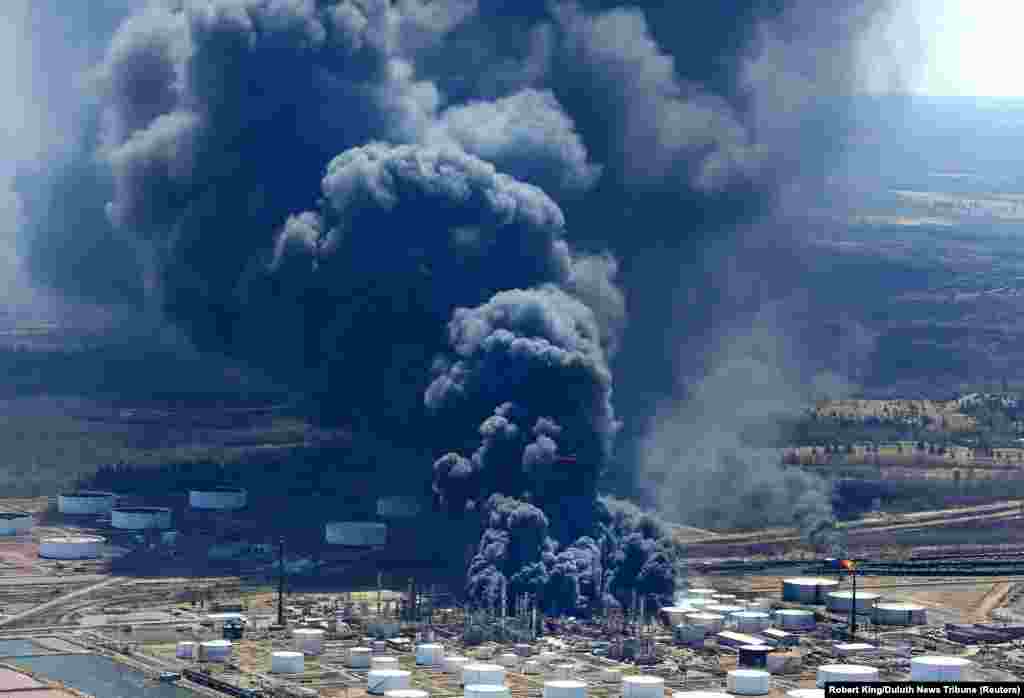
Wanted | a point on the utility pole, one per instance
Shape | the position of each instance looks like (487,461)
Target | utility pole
(851,566)
(280,582)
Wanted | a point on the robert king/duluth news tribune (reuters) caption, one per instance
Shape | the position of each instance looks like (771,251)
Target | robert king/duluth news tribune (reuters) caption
(916,688)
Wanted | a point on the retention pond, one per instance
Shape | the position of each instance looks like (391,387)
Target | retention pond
(99,676)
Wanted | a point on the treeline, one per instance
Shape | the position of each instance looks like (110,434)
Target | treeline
(852,497)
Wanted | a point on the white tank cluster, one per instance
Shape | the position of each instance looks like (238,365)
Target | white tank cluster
(140,518)
(725,610)
(752,621)
(643,687)
(380,681)
(218,498)
(611,675)
(490,674)
(509,660)
(185,650)
(406,693)
(841,601)
(748,682)
(383,663)
(486,690)
(677,614)
(711,622)
(533,667)
(430,654)
(309,640)
(564,689)
(563,671)
(86,502)
(13,523)
(899,614)
(935,668)
(849,673)
(810,590)
(287,663)
(359,657)
(358,534)
(795,619)
(218,651)
(71,547)
(398,507)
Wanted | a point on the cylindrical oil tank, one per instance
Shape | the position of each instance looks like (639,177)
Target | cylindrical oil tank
(486,690)
(784,663)
(430,654)
(309,640)
(611,674)
(359,657)
(483,674)
(845,672)
(674,615)
(71,547)
(564,689)
(699,603)
(548,657)
(749,682)
(383,663)
(185,650)
(700,694)
(643,687)
(357,534)
(532,666)
(940,669)
(484,653)
(523,650)
(759,605)
(752,621)
(454,664)
(899,614)
(398,507)
(795,620)
(406,693)
(218,498)
(811,590)
(86,502)
(724,598)
(724,610)
(689,634)
(563,671)
(509,659)
(700,592)
(14,522)
(287,663)
(140,518)
(380,681)
(712,622)
(215,650)
(754,656)
(841,601)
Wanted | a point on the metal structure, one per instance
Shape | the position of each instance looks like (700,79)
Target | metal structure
(140,518)
(71,547)
(218,498)
(13,523)
(86,502)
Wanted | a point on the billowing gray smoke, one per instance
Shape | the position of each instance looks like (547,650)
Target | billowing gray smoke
(416,211)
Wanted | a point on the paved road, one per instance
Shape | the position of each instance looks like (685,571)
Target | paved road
(21,579)
(107,581)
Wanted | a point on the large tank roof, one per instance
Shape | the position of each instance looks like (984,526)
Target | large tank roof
(74,539)
(899,606)
(85,494)
(936,660)
(10,515)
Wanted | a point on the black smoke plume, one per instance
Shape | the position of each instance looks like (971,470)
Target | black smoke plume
(423,214)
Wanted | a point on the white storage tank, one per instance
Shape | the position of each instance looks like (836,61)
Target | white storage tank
(852,649)
(610,674)
(508,659)
(379,646)
(406,693)
(675,615)
(752,621)
(700,592)
(523,650)
(712,622)
(398,507)
(532,666)
(359,657)
(454,664)
(548,657)
(309,640)
(725,610)
(563,671)
(899,614)
(935,668)
(287,663)
(430,654)
(71,547)
(724,598)
(783,662)
(806,693)
(486,690)
(215,650)
(357,534)
(846,672)
(643,687)
(841,601)
(795,620)
(383,663)
(380,681)
(218,498)
(749,682)
(564,689)
(140,518)
(811,590)
(483,674)
(86,502)
(13,523)
(700,694)
(185,650)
